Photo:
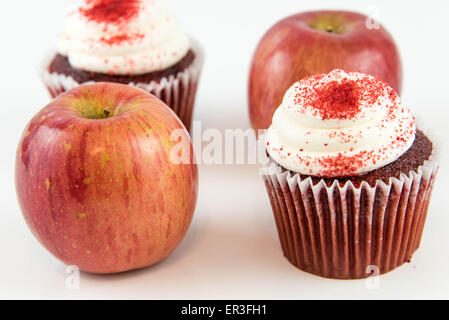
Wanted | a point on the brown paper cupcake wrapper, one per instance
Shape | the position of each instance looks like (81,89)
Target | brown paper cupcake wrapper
(346,232)
(178,92)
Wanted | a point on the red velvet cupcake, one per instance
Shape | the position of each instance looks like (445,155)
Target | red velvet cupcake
(135,42)
(349,176)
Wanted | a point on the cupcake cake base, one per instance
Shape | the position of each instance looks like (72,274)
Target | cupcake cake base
(61,65)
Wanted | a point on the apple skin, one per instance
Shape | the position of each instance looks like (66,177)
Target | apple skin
(102,194)
(292,50)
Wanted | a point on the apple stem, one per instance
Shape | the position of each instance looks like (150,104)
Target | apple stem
(107,112)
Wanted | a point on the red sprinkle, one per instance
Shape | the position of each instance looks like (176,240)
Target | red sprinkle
(341,99)
(111,11)
(116,40)
(337,100)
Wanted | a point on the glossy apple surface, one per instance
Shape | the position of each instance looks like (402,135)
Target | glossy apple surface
(317,42)
(96,183)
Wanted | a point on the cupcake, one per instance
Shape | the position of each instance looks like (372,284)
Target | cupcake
(349,176)
(134,42)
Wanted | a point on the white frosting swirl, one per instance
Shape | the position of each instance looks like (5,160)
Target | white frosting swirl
(339,124)
(152,40)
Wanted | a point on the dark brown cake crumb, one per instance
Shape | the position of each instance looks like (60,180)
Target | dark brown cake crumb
(420,151)
(61,65)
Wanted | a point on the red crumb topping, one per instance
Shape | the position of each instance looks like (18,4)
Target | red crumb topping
(110,11)
(337,100)
(116,40)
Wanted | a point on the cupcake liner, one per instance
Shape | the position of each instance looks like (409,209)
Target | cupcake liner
(178,92)
(345,232)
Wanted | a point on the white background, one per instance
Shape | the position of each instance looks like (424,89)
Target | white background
(232,250)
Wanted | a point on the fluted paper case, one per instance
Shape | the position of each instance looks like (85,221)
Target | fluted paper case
(344,231)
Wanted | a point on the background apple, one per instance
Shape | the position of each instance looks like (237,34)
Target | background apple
(95,182)
(313,43)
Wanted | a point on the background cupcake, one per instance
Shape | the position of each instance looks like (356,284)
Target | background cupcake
(135,42)
(350,177)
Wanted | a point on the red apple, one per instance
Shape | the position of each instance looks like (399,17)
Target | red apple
(95,181)
(312,43)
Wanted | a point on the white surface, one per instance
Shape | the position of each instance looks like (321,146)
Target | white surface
(231,250)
